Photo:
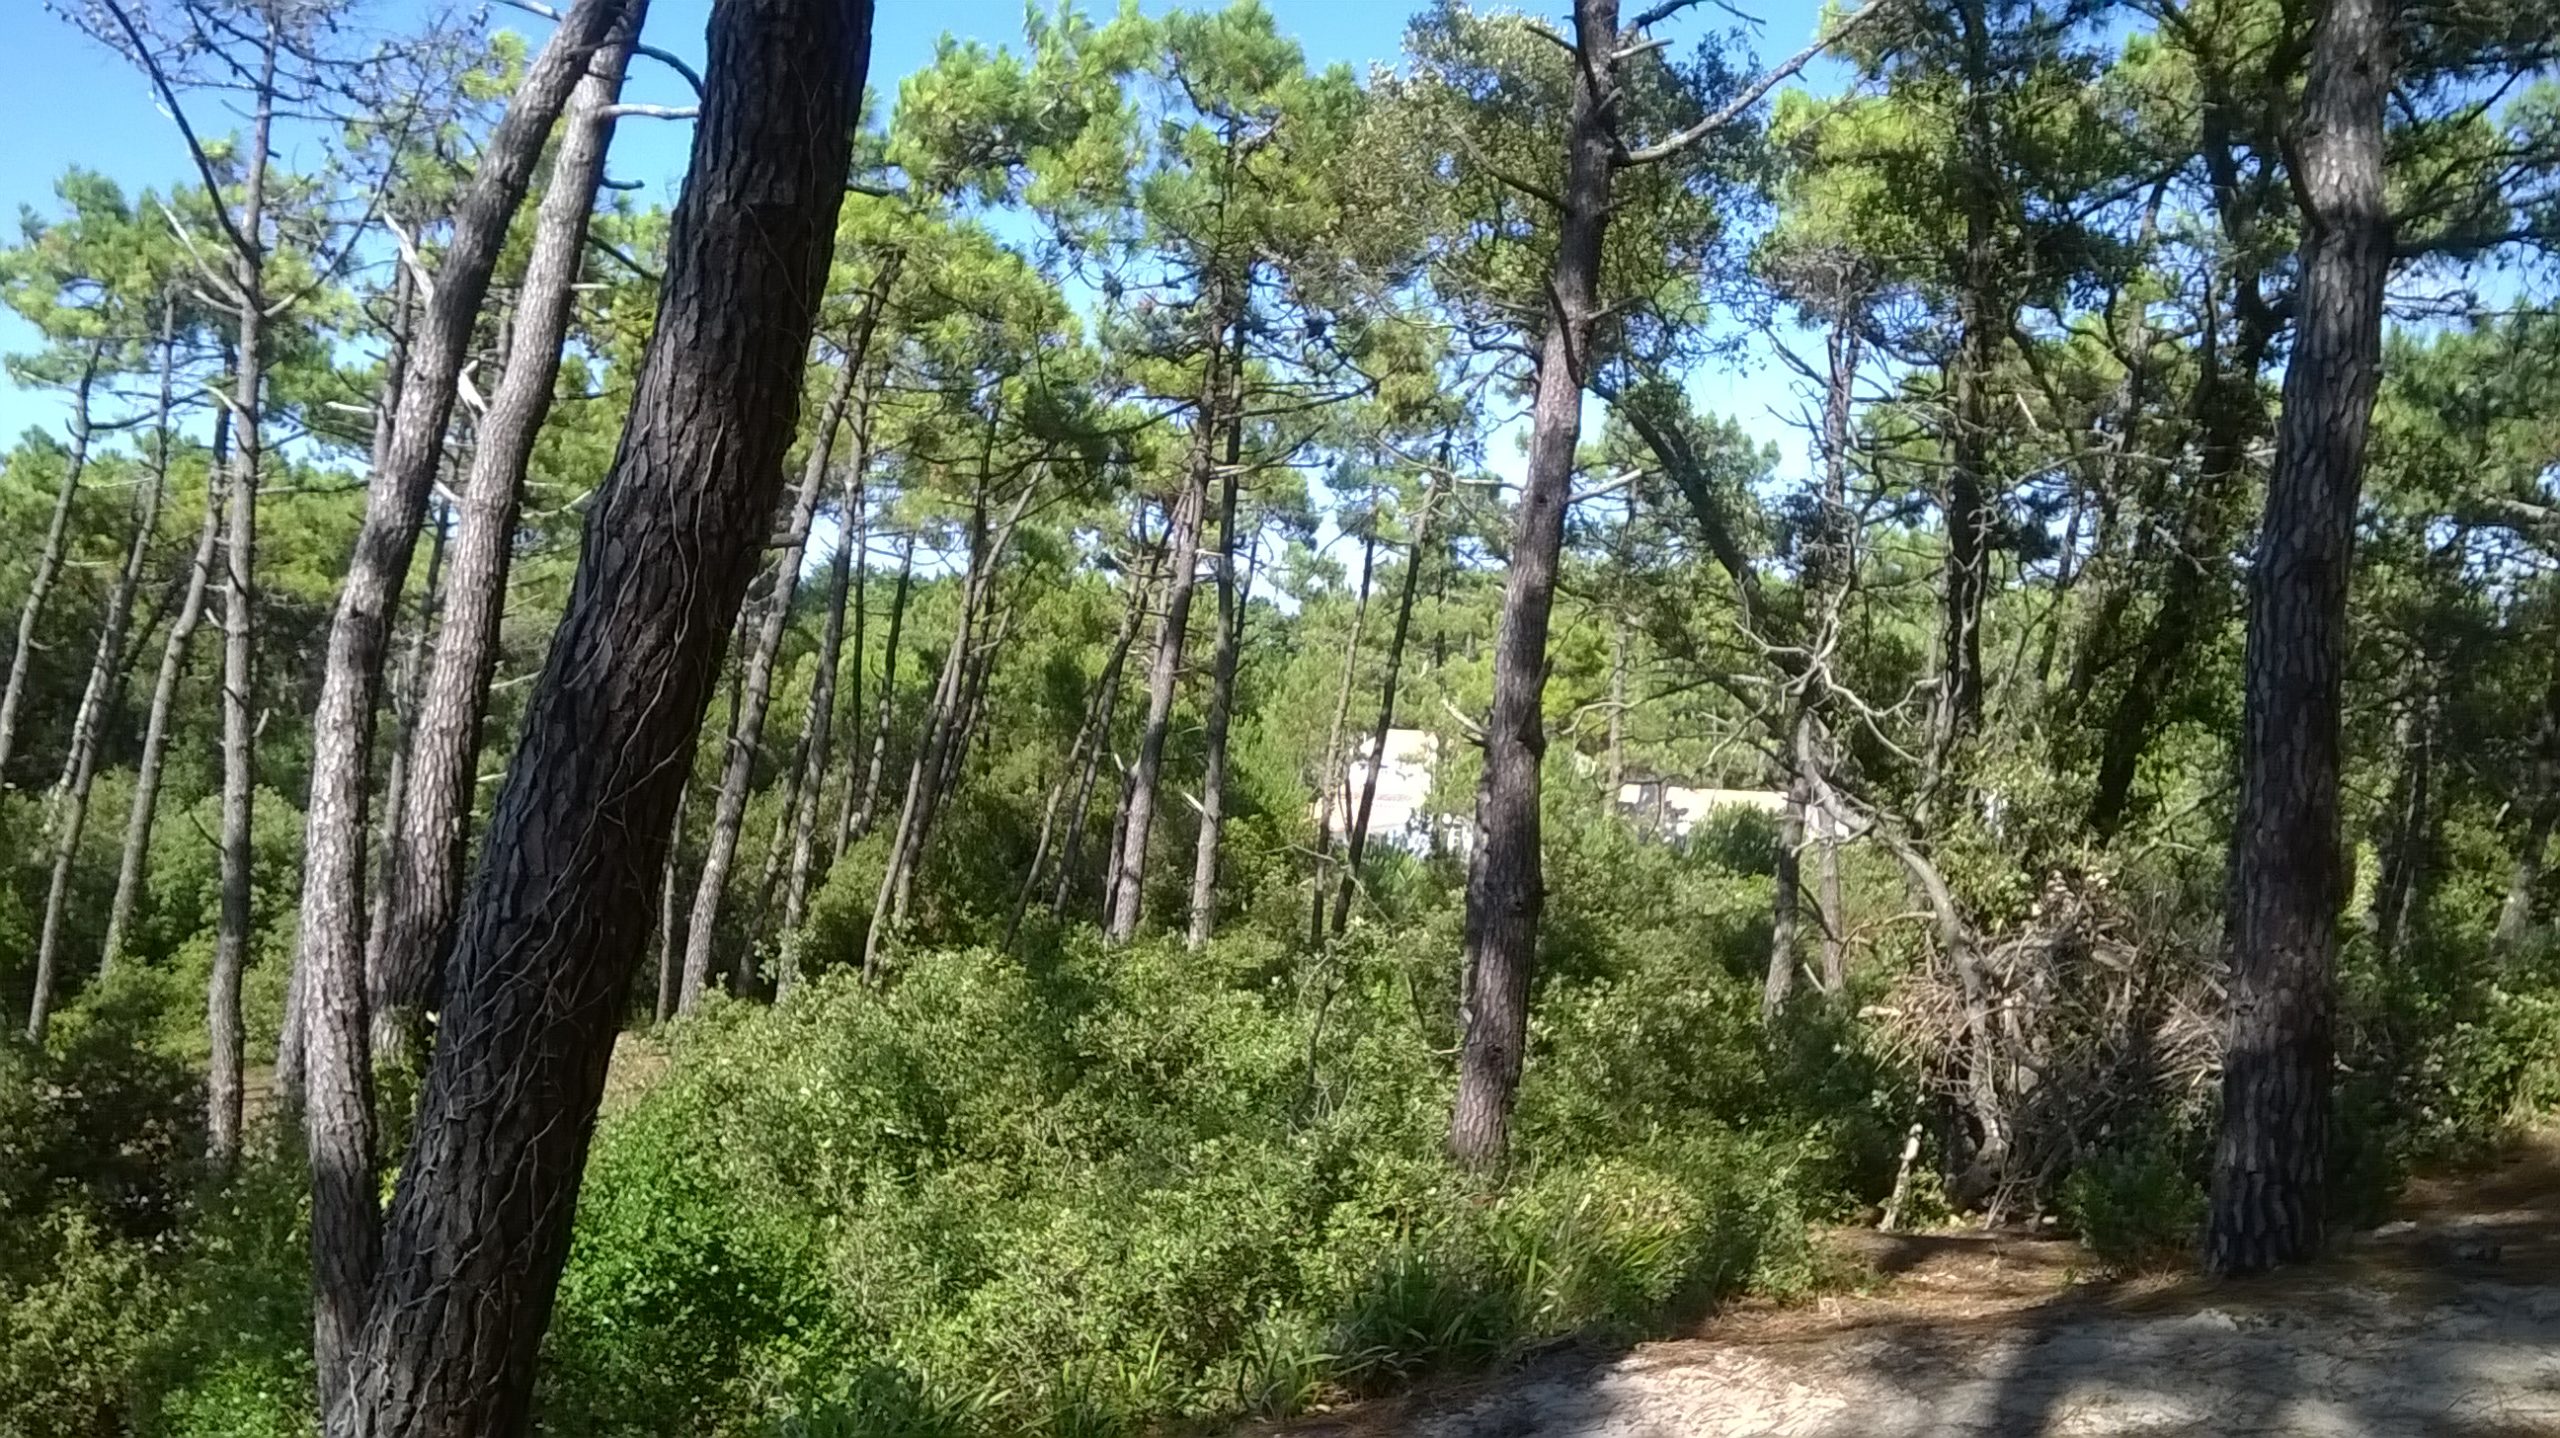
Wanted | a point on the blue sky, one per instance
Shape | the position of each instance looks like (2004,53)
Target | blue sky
(78,104)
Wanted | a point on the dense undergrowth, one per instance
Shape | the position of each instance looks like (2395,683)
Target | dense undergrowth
(1078,1191)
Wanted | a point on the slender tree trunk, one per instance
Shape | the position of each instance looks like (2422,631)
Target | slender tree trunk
(858,819)
(670,942)
(945,734)
(424,857)
(1084,761)
(1983,318)
(145,810)
(57,538)
(1235,592)
(1128,889)
(239,641)
(817,729)
(479,1228)
(737,772)
(80,769)
(1357,846)
(2270,1167)
(1835,937)
(1333,783)
(1506,889)
(1785,902)
(408,695)
(2411,830)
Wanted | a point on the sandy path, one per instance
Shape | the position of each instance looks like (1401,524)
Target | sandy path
(2447,1323)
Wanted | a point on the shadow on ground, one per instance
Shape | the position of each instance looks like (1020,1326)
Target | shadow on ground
(2444,1323)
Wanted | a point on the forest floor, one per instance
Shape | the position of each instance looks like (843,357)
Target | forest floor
(2443,1322)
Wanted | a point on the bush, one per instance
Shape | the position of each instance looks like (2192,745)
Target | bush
(2139,1204)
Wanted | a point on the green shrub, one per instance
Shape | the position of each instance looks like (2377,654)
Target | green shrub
(2137,1204)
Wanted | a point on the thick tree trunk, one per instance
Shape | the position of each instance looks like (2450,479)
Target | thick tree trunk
(338,1108)
(1506,890)
(145,811)
(1356,846)
(1235,593)
(817,728)
(407,697)
(737,770)
(2270,1167)
(859,817)
(559,914)
(57,539)
(423,859)
(80,769)
(223,1068)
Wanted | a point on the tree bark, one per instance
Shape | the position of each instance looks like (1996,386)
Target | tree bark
(80,769)
(2411,829)
(1128,889)
(239,636)
(329,959)
(1787,887)
(670,943)
(1506,891)
(57,538)
(408,696)
(145,811)
(2270,1166)
(423,859)
(559,915)
(1984,321)
(1235,593)
(737,770)
(1357,845)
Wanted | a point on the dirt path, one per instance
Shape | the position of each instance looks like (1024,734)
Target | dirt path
(2445,1323)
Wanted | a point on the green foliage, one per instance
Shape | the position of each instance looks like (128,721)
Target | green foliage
(2138,1203)
(1087,1192)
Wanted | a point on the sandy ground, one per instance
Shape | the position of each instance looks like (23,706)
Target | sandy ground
(2444,1323)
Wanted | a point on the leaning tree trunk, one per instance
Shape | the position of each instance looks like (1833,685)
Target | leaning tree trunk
(2270,1167)
(80,769)
(1358,839)
(422,862)
(223,1067)
(145,810)
(1128,886)
(479,1228)
(2405,844)
(1235,593)
(737,769)
(57,538)
(670,935)
(329,960)
(1506,890)
(1084,761)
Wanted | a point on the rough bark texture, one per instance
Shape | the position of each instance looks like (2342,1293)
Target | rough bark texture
(2286,881)
(1785,902)
(423,859)
(329,959)
(239,640)
(560,912)
(145,811)
(80,768)
(737,769)
(1506,889)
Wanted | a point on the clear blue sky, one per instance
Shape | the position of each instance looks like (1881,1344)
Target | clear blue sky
(76,103)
